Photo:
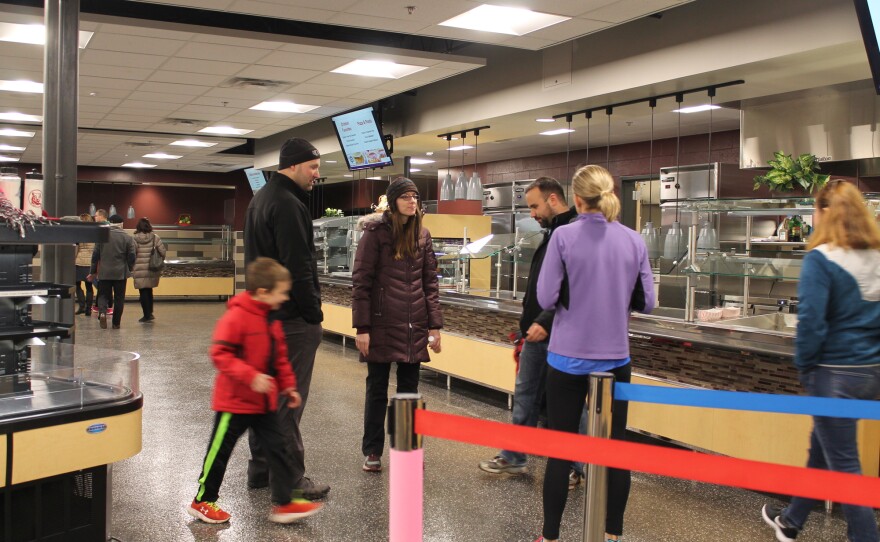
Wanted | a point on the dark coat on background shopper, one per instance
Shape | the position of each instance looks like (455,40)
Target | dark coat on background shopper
(241,349)
(278,226)
(141,273)
(114,259)
(396,301)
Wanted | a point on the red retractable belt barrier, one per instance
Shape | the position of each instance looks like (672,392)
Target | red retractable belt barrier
(688,465)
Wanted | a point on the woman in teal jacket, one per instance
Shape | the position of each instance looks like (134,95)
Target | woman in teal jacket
(838,343)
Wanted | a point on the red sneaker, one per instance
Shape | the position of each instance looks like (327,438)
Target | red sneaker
(208,512)
(294,510)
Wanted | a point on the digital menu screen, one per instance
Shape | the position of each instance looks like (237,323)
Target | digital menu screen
(255,178)
(361,141)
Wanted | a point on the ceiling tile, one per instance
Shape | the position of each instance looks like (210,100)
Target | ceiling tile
(398,85)
(95,70)
(464,34)
(19,64)
(302,99)
(96,84)
(213,101)
(97,101)
(255,95)
(203,112)
(23,50)
(566,30)
(278,74)
(372,94)
(237,42)
(134,44)
(200,79)
(308,61)
(268,9)
(150,105)
(378,22)
(323,90)
(159,97)
(113,58)
(219,5)
(354,81)
(347,103)
(214,51)
(141,30)
(345,50)
(427,13)
(173,88)
(625,10)
(212,67)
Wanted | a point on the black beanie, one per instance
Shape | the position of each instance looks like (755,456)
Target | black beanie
(115,219)
(296,151)
(399,187)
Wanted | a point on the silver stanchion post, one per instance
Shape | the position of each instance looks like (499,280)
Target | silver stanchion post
(599,403)
(406,479)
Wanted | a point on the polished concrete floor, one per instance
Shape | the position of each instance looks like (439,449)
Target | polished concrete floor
(151,490)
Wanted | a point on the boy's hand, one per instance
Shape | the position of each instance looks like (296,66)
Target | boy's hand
(262,383)
(294,399)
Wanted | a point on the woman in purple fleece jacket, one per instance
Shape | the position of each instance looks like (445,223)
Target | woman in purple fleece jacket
(595,273)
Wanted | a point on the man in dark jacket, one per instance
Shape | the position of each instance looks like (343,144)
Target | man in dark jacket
(278,225)
(112,262)
(546,200)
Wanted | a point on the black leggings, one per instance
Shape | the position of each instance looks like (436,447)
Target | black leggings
(566,394)
(146,298)
(376,404)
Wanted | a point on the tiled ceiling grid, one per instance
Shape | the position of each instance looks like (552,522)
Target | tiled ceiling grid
(139,79)
(587,16)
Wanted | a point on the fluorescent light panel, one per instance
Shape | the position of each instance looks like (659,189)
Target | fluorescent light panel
(192,143)
(420,161)
(10,132)
(558,131)
(378,68)
(138,164)
(34,34)
(414,170)
(284,107)
(22,86)
(224,130)
(461,148)
(696,108)
(503,20)
(4,147)
(7,158)
(545,120)
(21,117)
(162,156)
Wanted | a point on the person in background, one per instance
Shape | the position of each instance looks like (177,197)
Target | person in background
(837,346)
(115,258)
(83,264)
(278,225)
(595,273)
(253,375)
(546,200)
(395,306)
(100,218)
(145,279)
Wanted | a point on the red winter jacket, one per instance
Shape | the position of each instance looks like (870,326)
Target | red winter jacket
(240,351)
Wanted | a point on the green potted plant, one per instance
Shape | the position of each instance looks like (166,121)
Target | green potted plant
(788,174)
(330,212)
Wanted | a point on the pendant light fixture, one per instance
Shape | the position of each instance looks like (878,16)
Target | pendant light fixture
(461,185)
(130,214)
(589,115)
(475,186)
(447,188)
(649,233)
(672,243)
(112,209)
(92,207)
(608,112)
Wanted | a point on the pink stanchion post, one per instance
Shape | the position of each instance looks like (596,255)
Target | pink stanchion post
(406,494)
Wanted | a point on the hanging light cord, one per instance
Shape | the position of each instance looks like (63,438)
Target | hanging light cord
(651,161)
(589,117)
(678,99)
(608,148)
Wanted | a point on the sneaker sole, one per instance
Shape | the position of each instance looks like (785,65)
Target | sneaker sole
(505,470)
(780,536)
(372,469)
(291,518)
(198,515)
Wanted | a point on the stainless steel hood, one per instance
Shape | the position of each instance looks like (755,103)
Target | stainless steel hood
(835,123)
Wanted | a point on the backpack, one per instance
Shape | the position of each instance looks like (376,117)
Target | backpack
(157,261)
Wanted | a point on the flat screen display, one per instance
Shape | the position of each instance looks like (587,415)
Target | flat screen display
(869,21)
(255,178)
(360,139)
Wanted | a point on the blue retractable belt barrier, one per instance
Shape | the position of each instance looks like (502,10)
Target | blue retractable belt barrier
(760,402)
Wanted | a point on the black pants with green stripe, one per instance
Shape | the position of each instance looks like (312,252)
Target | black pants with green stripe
(228,428)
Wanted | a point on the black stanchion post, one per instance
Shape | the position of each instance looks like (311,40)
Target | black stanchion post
(406,480)
(599,403)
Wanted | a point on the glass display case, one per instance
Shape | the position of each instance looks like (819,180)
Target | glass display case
(734,264)
(201,244)
(336,243)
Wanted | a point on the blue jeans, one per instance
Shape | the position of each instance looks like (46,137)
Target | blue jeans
(833,443)
(527,394)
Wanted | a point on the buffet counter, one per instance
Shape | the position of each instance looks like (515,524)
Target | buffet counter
(193,278)
(745,354)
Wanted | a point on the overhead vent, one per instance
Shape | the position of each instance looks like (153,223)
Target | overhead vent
(183,122)
(250,83)
(139,144)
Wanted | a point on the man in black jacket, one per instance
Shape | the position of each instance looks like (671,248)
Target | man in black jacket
(278,225)
(546,200)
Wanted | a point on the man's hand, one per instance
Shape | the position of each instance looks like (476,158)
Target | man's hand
(434,340)
(262,383)
(362,341)
(536,333)
(294,399)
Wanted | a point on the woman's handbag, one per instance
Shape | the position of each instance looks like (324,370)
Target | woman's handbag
(157,261)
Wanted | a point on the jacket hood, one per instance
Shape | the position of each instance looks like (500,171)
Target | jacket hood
(249,304)
(143,238)
(115,226)
(863,265)
(371,221)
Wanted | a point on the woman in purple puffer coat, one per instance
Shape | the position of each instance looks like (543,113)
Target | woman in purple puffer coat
(395,306)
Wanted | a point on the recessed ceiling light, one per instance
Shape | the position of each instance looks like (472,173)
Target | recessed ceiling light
(414,170)
(545,120)
(429,153)
(34,34)
(224,130)
(162,156)
(4,147)
(329,161)
(504,20)
(7,159)
(558,131)
(696,108)
(21,86)
(379,68)
(20,117)
(284,107)
(420,161)
(138,164)
(348,175)
(10,132)
(461,148)
(376,178)
(192,143)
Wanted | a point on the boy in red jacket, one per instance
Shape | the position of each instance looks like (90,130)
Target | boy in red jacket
(250,354)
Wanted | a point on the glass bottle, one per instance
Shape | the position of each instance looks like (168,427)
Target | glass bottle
(782,230)
(795,229)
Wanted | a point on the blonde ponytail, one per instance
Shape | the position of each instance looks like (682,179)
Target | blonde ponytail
(595,185)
